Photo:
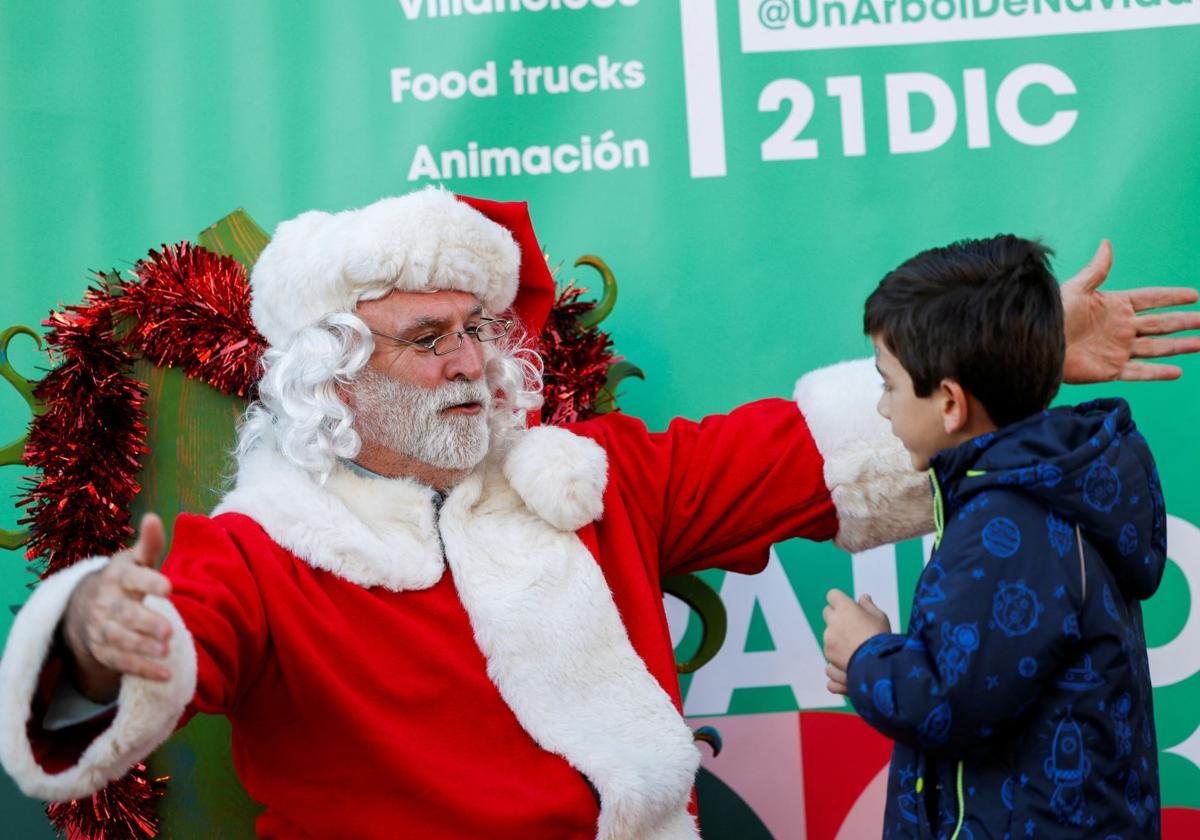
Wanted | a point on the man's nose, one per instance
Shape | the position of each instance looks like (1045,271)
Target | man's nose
(467,361)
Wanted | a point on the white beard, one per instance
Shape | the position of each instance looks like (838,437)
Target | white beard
(408,419)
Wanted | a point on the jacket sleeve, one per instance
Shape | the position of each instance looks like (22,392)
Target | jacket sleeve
(719,492)
(218,634)
(993,621)
(217,595)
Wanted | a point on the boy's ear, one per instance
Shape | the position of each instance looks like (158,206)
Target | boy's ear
(956,412)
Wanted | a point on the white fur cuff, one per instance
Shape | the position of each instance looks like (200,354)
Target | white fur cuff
(879,497)
(559,475)
(147,711)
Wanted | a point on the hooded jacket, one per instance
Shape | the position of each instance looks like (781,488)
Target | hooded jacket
(1020,697)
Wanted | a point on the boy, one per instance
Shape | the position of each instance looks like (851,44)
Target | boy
(1019,698)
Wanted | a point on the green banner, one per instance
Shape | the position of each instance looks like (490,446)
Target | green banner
(748,169)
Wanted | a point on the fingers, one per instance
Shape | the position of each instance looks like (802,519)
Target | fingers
(837,598)
(868,604)
(138,580)
(114,644)
(1149,372)
(135,665)
(144,621)
(837,680)
(1165,323)
(115,639)
(1155,297)
(131,640)
(151,541)
(107,626)
(1154,348)
(1089,278)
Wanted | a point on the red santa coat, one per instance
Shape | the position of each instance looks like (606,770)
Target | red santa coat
(529,693)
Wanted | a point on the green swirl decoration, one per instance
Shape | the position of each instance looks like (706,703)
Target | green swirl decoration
(706,603)
(14,453)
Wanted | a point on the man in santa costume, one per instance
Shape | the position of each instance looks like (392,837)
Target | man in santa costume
(423,618)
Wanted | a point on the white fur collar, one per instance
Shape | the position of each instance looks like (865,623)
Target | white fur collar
(369,531)
(557,650)
(383,532)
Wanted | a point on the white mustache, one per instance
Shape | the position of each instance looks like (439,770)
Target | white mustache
(458,393)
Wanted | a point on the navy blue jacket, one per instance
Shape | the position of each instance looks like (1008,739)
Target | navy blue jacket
(1019,699)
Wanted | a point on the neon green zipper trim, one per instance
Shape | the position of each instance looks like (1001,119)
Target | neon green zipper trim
(939,512)
(975,473)
(962,804)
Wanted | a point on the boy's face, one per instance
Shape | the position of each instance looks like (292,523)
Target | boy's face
(919,422)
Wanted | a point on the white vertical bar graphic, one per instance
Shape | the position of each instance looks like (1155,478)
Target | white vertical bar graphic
(702,87)
(874,572)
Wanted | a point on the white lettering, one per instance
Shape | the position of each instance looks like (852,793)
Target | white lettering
(1179,659)
(979,130)
(902,137)
(423,165)
(796,662)
(1009,114)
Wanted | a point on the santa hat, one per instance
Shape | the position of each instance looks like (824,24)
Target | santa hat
(321,263)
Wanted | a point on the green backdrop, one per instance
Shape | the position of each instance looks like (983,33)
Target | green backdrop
(749,170)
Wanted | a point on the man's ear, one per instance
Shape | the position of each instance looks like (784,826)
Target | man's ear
(956,411)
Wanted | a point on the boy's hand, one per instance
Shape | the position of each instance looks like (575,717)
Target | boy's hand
(847,626)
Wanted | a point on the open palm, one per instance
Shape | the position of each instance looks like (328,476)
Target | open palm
(1109,332)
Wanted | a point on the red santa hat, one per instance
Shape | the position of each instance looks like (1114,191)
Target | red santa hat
(322,263)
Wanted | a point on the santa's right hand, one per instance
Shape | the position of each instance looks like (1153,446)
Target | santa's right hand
(108,629)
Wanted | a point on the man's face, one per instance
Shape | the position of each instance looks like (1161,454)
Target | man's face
(413,402)
(917,421)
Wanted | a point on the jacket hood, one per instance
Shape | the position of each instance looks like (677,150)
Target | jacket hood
(1091,466)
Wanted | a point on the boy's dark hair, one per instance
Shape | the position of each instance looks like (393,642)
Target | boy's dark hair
(984,312)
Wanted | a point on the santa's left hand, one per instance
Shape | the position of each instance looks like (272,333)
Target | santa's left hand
(1108,332)
(847,625)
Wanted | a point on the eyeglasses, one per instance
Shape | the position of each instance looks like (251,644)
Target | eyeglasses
(487,330)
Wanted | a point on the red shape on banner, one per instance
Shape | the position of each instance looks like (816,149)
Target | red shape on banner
(1180,823)
(842,755)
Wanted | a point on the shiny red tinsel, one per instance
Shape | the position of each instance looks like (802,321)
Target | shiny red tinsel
(124,809)
(576,360)
(87,441)
(190,308)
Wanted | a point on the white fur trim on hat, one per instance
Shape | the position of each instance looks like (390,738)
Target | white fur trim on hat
(147,711)
(319,263)
(879,496)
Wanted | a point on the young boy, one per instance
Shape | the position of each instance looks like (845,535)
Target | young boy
(1019,699)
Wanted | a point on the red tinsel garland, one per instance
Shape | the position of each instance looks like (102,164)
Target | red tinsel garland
(575,360)
(124,809)
(86,443)
(188,308)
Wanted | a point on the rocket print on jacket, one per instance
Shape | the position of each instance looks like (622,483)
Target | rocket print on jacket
(1019,698)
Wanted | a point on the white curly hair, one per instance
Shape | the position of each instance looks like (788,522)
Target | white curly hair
(299,412)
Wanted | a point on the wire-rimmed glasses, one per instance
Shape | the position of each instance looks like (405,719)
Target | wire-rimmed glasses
(489,329)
